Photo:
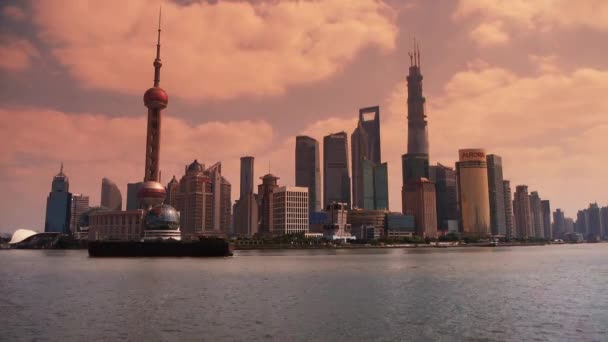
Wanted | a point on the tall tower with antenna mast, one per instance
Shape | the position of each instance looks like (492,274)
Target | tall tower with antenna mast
(155,99)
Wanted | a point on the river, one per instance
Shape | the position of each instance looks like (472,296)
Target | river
(541,293)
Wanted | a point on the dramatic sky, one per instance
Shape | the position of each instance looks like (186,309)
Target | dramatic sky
(527,80)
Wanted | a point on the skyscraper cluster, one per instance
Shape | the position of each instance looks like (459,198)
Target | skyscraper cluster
(471,199)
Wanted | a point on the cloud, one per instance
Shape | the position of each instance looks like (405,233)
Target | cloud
(94,146)
(14,12)
(490,34)
(218,51)
(16,54)
(539,15)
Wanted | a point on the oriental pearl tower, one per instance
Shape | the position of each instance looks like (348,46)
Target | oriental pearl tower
(155,99)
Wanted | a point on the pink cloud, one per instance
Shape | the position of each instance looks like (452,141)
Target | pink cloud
(14,12)
(16,54)
(221,50)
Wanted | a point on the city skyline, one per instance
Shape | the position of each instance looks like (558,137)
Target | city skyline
(207,126)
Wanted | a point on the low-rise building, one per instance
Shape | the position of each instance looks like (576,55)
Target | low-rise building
(399,226)
(116,225)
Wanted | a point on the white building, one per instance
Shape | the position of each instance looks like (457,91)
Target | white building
(290,210)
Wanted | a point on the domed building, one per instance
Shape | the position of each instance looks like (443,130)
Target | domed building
(151,194)
(162,222)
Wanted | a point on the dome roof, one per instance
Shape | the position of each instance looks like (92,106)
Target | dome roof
(21,234)
(156,97)
(162,217)
(196,166)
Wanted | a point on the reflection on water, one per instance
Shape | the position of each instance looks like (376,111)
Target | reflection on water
(520,293)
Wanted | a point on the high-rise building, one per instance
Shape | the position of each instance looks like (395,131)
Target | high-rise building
(246,208)
(266,192)
(111,197)
(290,210)
(509,224)
(522,214)
(172,192)
(545,206)
(308,170)
(569,225)
(79,205)
(195,202)
(582,222)
(497,196)
(594,232)
(473,194)
(446,194)
(538,230)
(559,224)
(246,176)
(204,201)
(370,177)
(132,200)
(58,205)
(415,163)
(421,203)
(604,219)
(336,179)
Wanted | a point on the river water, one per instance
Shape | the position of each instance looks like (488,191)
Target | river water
(546,293)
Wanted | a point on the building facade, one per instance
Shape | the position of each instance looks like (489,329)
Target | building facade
(79,205)
(473,193)
(111,197)
(132,200)
(246,209)
(336,178)
(116,225)
(399,225)
(308,170)
(266,192)
(370,178)
(290,210)
(58,205)
(421,204)
(524,226)
(559,224)
(367,224)
(497,196)
(446,193)
(337,226)
(545,207)
(536,211)
(594,232)
(509,220)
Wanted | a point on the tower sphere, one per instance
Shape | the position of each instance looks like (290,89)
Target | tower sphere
(156,97)
(151,194)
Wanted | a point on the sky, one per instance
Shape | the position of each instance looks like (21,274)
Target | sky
(526,80)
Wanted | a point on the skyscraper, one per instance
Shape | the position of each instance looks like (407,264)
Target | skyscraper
(172,192)
(594,222)
(246,176)
(559,224)
(58,205)
(132,200)
(497,196)
(415,164)
(336,179)
(509,224)
(473,194)
(422,203)
(446,195)
(111,197)
(370,176)
(537,215)
(604,219)
(290,210)
(522,214)
(246,209)
(308,170)
(546,209)
(79,205)
(582,222)
(266,192)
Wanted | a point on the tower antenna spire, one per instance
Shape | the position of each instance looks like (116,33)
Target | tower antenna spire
(418,53)
(61,168)
(157,62)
